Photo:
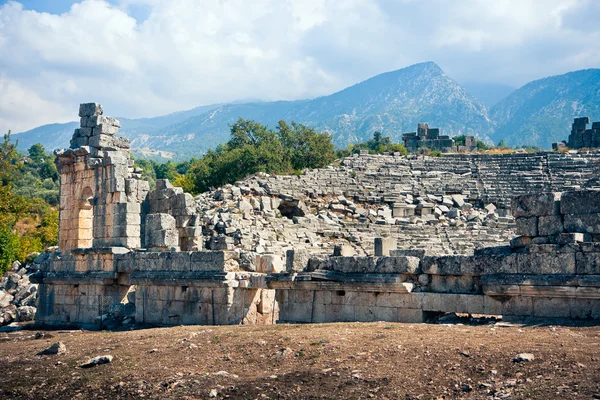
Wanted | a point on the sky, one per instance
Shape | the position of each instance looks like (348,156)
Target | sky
(143,58)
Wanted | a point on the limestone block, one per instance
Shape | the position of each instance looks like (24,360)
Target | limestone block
(570,238)
(296,260)
(100,141)
(104,130)
(585,223)
(580,202)
(160,222)
(551,307)
(584,308)
(549,225)
(454,283)
(587,263)
(527,226)
(270,263)
(208,261)
(450,265)
(536,205)
(397,265)
(519,306)
(492,306)
(161,231)
(79,141)
(340,313)
(265,203)
(177,261)
(383,246)
(410,315)
(343,250)
(520,241)
(546,263)
(89,109)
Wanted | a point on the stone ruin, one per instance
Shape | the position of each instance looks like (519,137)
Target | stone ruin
(580,136)
(376,238)
(430,138)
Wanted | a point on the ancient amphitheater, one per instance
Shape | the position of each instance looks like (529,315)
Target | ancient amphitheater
(374,238)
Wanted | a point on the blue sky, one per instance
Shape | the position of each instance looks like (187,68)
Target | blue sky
(149,57)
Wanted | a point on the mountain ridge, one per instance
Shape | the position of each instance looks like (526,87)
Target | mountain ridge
(392,102)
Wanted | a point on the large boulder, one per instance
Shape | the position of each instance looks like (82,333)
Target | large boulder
(26,313)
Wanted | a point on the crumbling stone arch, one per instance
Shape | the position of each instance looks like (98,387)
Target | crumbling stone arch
(85,219)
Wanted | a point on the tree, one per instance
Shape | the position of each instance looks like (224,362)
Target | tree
(502,144)
(37,153)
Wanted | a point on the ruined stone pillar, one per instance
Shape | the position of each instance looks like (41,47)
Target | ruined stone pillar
(100,191)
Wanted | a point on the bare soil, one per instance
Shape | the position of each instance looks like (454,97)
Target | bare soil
(344,360)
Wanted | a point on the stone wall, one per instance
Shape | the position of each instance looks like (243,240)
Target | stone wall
(161,288)
(581,136)
(410,238)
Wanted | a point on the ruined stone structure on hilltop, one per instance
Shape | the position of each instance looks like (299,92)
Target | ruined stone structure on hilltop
(430,138)
(376,238)
(581,137)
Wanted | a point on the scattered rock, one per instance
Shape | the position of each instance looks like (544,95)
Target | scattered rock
(55,348)
(524,357)
(97,361)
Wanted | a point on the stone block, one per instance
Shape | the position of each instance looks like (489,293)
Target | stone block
(104,130)
(90,109)
(551,307)
(100,141)
(521,241)
(584,223)
(442,265)
(587,263)
(397,265)
(546,263)
(383,246)
(270,264)
(570,238)
(518,306)
(580,202)
(207,261)
(535,205)
(527,226)
(343,250)
(296,260)
(492,306)
(550,225)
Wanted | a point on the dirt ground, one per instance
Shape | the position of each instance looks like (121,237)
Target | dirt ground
(345,360)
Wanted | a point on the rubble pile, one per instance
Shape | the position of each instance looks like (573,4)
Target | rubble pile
(17,294)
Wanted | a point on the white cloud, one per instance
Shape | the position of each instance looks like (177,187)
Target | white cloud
(184,53)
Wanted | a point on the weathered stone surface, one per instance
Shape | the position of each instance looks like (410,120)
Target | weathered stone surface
(383,246)
(550,225)
(90,109)
(296,260)
(527,226)
(584,223)
(580,202)
(535,205)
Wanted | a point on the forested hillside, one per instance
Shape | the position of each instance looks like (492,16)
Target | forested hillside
(29,190)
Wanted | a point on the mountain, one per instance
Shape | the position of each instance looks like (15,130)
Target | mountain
(393,103)
(488,93)
(542,111)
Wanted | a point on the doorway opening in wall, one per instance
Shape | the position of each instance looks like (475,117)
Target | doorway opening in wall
(85,219)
